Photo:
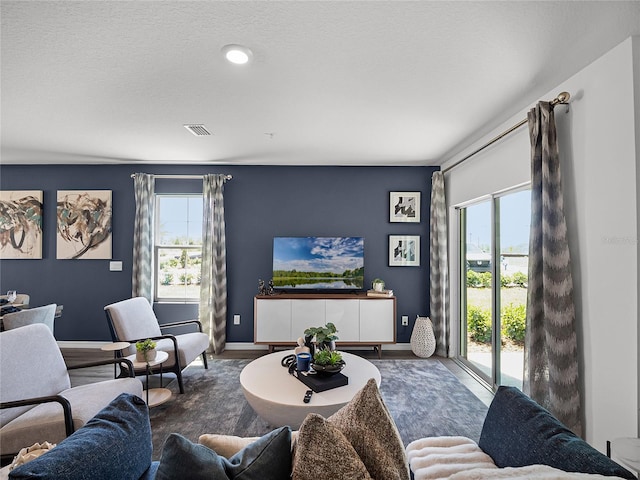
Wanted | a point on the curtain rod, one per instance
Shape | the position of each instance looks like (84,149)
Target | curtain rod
(562,98)
(227,177)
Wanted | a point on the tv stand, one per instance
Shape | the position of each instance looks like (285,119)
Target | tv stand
(280,319)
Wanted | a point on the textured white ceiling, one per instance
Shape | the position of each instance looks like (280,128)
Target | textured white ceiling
(339,83)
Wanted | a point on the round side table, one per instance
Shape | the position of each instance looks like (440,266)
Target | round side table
(115,347)
(155,396)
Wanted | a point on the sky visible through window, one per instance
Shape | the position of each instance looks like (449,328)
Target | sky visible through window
(180,218)
(515,212)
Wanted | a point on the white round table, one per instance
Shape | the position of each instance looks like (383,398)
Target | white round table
(277,396)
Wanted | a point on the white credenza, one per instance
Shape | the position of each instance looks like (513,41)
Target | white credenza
(360,320)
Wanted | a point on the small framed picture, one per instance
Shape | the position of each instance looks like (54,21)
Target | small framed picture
(404,207)
(404,250)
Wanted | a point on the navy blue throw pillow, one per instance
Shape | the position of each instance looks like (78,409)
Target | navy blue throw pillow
(518,432)
(268,458)
(116,443)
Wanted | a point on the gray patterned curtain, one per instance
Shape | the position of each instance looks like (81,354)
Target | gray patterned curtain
(142,276)
(551,374)
(439,273)
(213,285)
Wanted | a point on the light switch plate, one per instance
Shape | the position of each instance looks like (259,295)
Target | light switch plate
(236,319)
(115,266)
(405,320)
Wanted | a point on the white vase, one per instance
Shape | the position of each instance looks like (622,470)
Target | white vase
(148,356)
(423,340)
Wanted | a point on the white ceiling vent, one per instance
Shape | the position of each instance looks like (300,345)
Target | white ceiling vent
(198,130)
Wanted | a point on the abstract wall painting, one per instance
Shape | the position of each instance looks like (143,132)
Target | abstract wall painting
(404,250)
(404,207)
(84,224)
(21,224)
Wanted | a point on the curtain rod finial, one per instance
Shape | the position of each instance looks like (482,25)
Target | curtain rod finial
(563,97)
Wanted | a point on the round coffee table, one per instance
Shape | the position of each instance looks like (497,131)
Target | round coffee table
(277,396)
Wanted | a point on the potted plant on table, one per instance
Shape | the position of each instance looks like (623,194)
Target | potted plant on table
(327,362)
(325,337)
(378,284)
(146,350)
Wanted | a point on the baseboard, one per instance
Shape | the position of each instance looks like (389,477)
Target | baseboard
(229,346)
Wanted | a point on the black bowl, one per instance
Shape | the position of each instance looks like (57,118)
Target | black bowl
(328,369)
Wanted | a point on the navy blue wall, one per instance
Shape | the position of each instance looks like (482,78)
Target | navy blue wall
(260,202)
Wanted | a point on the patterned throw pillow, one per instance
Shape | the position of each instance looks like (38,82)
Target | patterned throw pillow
(367,425)
(323,451)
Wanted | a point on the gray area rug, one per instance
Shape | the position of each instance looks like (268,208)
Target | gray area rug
(423,396)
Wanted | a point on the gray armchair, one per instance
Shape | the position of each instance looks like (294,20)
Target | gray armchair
(37,402)
(133,319)
(30,316)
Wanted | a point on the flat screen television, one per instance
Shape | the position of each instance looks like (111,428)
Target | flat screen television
(318,263)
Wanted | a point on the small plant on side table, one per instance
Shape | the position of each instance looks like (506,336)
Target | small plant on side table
(146,350)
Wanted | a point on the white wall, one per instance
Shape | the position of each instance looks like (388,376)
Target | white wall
(597,138)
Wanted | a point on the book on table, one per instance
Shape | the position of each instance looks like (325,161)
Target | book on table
(321,383)
(379,293)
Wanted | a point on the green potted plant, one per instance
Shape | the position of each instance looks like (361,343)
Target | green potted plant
(324,336)
(327,361)
(146,350)
(378,284)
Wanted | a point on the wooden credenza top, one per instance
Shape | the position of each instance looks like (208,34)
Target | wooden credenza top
(321,296)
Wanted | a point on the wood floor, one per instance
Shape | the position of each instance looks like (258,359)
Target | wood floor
(74,356)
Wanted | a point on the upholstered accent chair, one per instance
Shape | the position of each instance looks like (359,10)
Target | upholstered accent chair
(133,319)
(37,401)
(30,316)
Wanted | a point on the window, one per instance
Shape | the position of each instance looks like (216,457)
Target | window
(178,247)
(495,247)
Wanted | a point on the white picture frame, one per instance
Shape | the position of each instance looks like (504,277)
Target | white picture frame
(404,250)
(404,207)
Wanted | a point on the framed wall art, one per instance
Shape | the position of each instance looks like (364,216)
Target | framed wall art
(404,207)
(21,224)
(404,250)
(84,224)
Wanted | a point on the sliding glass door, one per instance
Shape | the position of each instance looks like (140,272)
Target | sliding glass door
(494,243)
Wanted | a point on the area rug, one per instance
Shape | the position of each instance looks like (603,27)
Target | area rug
(423,396)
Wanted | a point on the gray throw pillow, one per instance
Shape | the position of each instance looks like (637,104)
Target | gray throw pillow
(268,458)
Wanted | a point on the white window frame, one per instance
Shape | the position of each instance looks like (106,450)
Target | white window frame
(158,247)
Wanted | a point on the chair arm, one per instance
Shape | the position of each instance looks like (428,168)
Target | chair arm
(66,407)
(182,323)
(128,364)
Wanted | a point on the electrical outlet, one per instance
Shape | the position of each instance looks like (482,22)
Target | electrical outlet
(236,319)
(405,320)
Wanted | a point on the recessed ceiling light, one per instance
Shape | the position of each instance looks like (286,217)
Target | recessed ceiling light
(237,54)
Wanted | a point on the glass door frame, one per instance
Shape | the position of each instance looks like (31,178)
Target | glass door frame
(493,380)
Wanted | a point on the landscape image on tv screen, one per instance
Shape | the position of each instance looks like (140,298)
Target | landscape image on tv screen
(323,263)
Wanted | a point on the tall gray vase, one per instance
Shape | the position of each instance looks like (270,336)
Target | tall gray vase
(423,340)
